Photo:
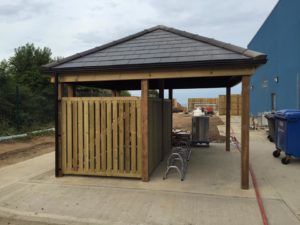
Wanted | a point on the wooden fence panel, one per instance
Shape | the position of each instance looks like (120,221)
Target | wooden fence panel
(101,136)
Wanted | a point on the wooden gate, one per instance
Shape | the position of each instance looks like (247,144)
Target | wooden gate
(101,136)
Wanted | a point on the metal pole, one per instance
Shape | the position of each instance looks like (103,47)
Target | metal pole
(17,108)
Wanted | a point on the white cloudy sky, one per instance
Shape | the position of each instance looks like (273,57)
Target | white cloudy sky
(72,26)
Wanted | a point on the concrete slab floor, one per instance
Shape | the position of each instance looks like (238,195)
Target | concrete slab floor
(210,194)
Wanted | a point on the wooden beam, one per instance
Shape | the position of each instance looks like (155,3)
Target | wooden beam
(167,74)
(145,143)
(228,110)
(245,133)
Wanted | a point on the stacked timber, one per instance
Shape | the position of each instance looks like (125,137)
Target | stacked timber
(236,105)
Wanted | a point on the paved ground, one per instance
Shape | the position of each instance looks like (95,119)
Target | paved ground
(211,194)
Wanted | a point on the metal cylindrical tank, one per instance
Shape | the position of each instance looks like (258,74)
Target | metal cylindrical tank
(200,130)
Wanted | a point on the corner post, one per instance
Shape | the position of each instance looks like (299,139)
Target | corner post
(245,133)
(58,95)
(145,143)
(171,98)
(161,96)
(228,107)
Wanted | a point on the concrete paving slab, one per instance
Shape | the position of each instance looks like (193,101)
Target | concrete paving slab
(103,205)
(275,181)
(210,194)
(211,171)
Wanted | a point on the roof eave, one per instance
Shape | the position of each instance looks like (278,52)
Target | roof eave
(256,62)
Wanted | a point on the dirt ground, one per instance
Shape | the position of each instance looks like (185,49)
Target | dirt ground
(184,122)
(19,150)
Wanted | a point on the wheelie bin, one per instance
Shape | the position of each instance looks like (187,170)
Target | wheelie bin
(271,124)
(287,134)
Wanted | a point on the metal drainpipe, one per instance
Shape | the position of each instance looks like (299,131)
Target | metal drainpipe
(298,91)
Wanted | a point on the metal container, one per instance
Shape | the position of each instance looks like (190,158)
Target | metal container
(200,128)
(271,123)
(287,132)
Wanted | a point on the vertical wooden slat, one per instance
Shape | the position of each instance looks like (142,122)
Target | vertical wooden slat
(86,135)
(97,127)
(80,135)
(92,135)
(109,138)
(245,132)
(139,137)
(69,134)
(228,107)
(75,134)
(127,137)
(103,136)
(121,136)
(115,137)
(133,136)
(144,108)
(64,135)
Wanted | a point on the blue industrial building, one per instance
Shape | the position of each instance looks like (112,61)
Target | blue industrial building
(276,85)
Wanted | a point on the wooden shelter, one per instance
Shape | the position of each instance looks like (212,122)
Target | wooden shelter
(128,136)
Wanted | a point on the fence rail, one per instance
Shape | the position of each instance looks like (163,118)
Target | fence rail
(101,136)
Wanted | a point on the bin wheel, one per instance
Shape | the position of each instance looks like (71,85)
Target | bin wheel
(270,138)
(285,160)
(276,153)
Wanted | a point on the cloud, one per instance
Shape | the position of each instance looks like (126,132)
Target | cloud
(22,10)
(72,26)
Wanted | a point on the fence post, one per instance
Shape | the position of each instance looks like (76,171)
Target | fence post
(145,144)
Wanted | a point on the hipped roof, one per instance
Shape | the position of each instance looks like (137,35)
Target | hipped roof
(155,48)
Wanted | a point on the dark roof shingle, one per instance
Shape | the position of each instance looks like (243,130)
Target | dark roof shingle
(157,46)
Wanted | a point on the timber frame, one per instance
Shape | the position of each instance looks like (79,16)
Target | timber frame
(163,76)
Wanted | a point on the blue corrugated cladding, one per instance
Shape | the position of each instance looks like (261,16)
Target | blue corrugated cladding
(279,38)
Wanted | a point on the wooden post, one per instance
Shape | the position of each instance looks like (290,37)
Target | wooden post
(245,133)
(115,93)
(162,96)
(171,95)
(145,143)
(171,98)
(228,107)
(58,156)
(71,90)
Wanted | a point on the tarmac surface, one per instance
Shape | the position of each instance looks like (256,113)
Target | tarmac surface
(210,193)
